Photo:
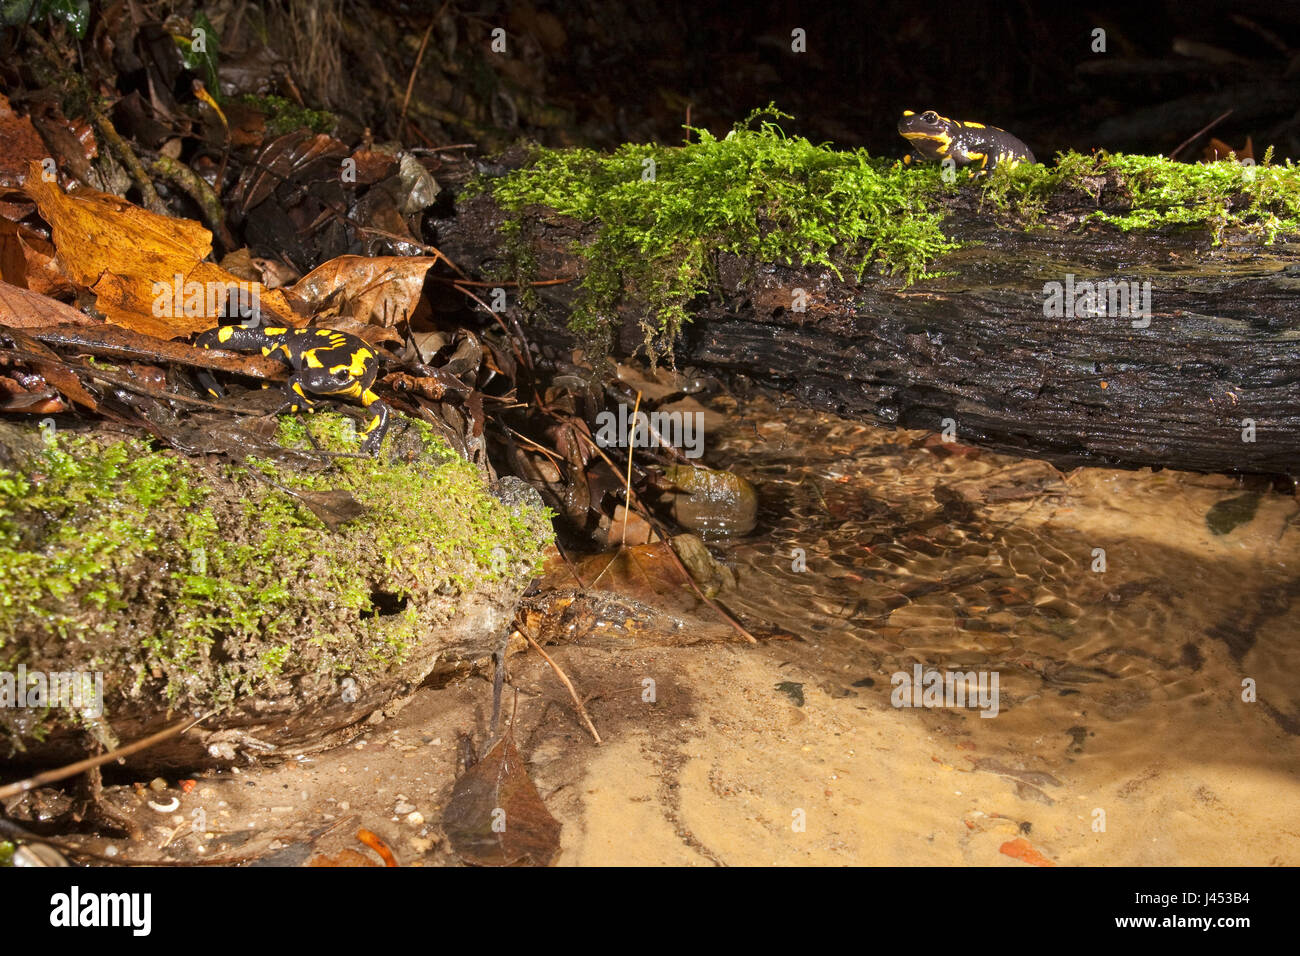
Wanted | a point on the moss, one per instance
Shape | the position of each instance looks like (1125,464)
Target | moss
(1151,192)
(284,116)
(662,212)
(224,582)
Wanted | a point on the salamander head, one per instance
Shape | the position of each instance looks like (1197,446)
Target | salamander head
(927,125)
(930,134)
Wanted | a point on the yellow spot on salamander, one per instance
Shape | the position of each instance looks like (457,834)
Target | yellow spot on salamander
(351,390)
(310,358)
(357,364)
(225,332)
(277,331)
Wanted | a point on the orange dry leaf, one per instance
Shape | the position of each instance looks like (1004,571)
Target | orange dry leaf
(1021,849)
(1218,149)
(132,258)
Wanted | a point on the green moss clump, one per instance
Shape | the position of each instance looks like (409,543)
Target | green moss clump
(284,116)
(200,584)
(1151,192)
(662,212)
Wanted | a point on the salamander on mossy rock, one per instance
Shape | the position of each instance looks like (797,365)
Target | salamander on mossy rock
(938,138)
(326,363)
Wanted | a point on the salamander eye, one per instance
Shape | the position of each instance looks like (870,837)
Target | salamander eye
(930,116)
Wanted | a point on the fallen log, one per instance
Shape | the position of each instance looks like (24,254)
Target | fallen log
(1187,355)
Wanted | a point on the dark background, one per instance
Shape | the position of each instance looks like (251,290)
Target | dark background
(629,71)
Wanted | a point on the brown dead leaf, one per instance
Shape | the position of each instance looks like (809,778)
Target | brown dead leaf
(382,290)
(495,816)
(373,165)
(334,508)
(283,159)
(370,334)
(119,251)
(24,309)
(71,142)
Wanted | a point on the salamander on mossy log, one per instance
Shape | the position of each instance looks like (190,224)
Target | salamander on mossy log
(326,363)
(938,138)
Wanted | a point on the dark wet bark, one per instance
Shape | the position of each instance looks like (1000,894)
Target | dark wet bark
(976,350)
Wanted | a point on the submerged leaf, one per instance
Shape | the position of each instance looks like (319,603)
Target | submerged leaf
(495,816)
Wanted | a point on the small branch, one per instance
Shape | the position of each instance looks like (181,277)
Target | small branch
(81,766)
(129,160)
(582,711)
(1199,133)
(419,58)
(198,190)
(627,486)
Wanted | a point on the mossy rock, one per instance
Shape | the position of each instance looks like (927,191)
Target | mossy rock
(197,586)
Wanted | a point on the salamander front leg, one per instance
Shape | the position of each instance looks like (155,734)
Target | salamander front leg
(297,399)
(378,426)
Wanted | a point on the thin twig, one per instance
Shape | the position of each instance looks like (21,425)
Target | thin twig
(516,337)
(81,766)
(582,711)
(627,484)
(503,282)
(419,58)
(1201,132)
(197,189)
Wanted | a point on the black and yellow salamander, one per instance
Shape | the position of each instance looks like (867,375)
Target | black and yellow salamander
(938,138)
(325,363)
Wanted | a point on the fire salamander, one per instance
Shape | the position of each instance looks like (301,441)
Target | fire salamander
(937,137)
(326,362)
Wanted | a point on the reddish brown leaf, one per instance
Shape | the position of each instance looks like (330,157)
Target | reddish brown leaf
(382,290)
(24,309)
(27,261)
(53,368)
(15,398)
(20,144)
(495,816)
(281,159)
